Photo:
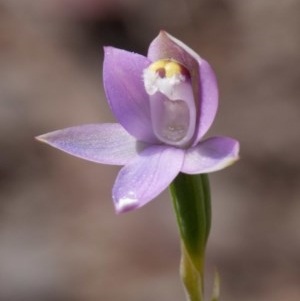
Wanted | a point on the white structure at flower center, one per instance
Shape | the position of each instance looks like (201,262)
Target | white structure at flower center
(173,110)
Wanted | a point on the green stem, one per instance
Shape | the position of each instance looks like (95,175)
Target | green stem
(191,278)
(192,205)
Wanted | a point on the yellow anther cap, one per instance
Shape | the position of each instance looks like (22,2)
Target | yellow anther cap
(168,68)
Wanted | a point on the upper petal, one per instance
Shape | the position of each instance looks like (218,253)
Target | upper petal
(165,46)
(146,177)
(211,155)
(102,143)
(203,78)
(124,88)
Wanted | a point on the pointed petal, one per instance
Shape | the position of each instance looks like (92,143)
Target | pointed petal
(203,78)
(146,177)
(165,46)
(102,143)
(125,91)
(211,155)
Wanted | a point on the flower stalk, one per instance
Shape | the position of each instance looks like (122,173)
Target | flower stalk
(192,280)
(192,205)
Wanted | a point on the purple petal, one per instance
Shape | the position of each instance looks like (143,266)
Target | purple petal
(208,99)
(125,91)
(203,78)
(146,177)
(211,155)
(102,143)
(165,46)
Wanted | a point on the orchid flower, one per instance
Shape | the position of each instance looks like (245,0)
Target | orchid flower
(164,104)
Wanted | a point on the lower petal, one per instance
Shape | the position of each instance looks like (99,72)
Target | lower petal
(211,155)
(107,143)
(146,177)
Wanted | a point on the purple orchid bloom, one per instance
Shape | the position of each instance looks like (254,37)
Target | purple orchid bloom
(164,104)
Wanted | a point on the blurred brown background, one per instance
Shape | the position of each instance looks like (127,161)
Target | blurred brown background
(60,239)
